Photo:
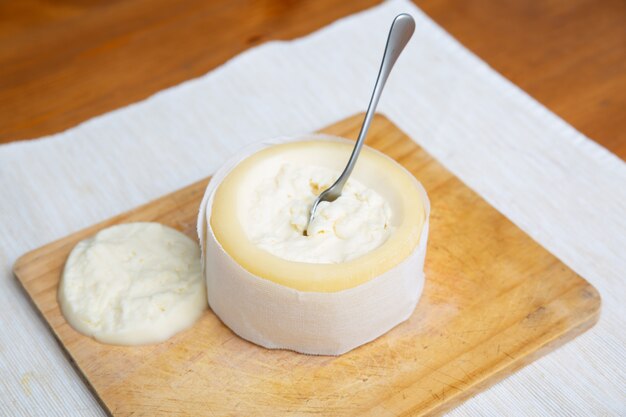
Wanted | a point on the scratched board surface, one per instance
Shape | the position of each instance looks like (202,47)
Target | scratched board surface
(494,301)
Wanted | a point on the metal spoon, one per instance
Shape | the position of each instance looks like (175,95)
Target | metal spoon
(401,31)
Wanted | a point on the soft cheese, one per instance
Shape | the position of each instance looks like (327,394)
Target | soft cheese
(134,283)
(310,307)
(349,227)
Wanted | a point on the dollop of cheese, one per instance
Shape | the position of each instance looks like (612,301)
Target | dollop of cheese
(347,228)
(133,283)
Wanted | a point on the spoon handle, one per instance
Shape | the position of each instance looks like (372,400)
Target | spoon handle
(401,31)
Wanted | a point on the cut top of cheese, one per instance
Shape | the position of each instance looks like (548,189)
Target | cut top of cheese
(385,228)
(278,210)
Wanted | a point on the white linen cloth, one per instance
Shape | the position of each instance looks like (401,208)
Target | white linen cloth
(564,190)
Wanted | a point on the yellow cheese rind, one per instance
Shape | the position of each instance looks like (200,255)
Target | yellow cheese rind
(374,170)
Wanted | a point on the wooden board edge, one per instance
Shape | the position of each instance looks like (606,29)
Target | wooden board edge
(378,118)
(587,322)
(29,256)
(68,355)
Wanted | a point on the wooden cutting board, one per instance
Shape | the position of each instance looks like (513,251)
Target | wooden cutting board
(494,301)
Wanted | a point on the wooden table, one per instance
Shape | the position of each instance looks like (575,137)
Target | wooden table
(66,61)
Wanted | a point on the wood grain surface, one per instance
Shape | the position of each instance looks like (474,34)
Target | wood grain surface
(66,61)
(494,300)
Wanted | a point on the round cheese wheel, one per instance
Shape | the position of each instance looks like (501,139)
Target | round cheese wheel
(374,170)
(314,308)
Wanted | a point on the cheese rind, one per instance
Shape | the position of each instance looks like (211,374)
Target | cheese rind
(134,283)
(323,319)
(229,214)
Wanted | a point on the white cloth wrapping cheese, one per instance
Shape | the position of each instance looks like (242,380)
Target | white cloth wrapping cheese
(279,317)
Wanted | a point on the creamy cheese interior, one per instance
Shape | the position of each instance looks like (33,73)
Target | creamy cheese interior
(133,283)
(351,226)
